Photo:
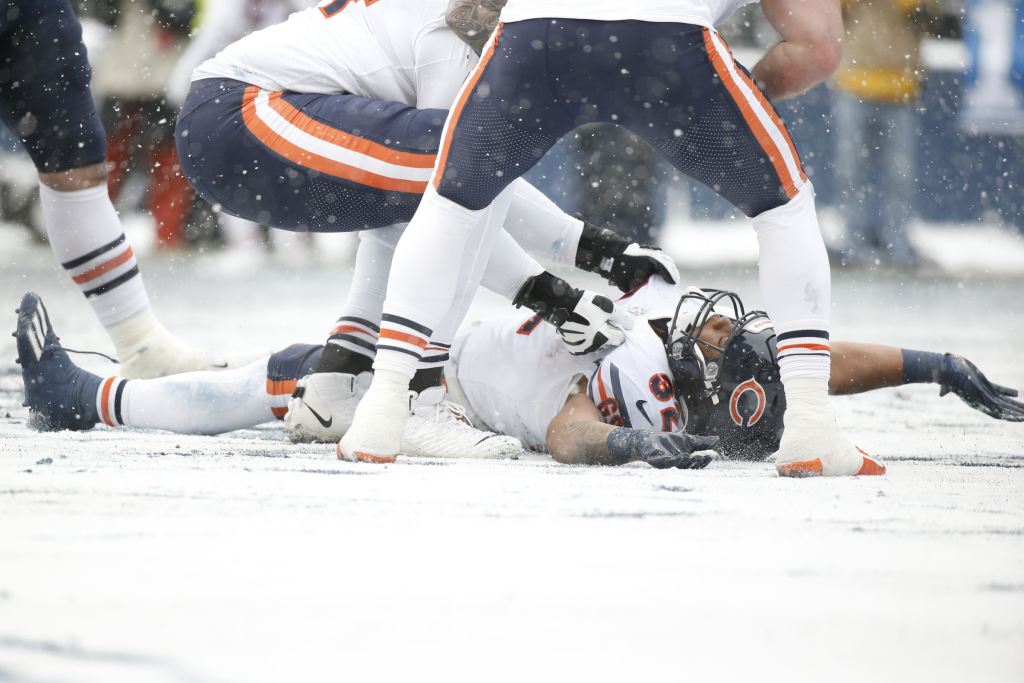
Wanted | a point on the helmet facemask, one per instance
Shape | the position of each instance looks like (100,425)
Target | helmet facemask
(713,392)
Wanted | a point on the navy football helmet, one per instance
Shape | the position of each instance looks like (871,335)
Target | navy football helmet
(738,395)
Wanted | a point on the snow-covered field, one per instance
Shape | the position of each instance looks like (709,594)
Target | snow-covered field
(156,557)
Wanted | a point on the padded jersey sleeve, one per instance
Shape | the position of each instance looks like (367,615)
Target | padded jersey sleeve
(442,64)
(630,395)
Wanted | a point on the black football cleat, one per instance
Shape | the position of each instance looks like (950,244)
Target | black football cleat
(59,394)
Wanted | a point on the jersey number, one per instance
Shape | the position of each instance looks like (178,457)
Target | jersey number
(669,420)
(332,8)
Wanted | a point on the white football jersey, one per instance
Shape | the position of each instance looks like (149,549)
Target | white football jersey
(398,50)
(516,373)
(700,12)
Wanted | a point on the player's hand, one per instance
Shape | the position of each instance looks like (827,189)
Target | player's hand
(675,449)
(963,378)
(639,262)
(594,323)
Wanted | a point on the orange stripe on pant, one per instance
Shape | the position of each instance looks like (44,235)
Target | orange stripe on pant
(341,139)
(297,155)
(775,119)
(105,400)
(756,127)
(281,387)
(104,267)
(385,333)
(453,117)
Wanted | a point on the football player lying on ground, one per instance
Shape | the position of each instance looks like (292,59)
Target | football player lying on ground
(331,122)
(701,373)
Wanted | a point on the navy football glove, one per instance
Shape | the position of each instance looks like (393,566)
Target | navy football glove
(963,378)
(624,264)
(661,450)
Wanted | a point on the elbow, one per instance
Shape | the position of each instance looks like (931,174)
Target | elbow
(826,55)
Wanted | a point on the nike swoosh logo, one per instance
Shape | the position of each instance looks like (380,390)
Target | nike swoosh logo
(219,366)
(640,407)
(326,423)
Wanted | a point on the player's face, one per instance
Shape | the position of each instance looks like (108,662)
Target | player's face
(716,332)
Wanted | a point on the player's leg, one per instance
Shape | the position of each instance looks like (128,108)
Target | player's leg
(716,126)
(306,162)
(208,402)
(60,395)
(52,111)
(323,407)
(491,138)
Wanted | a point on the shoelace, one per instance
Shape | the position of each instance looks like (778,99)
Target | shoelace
(451,411)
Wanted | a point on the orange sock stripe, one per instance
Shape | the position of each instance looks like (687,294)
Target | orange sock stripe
(756,127)
(453,117)
(385,333)
(297,155)
(815,347)
(105,400)
(104,267)
(352,328)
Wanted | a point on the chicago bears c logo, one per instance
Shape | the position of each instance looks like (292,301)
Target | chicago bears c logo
(661,387)
(750,385)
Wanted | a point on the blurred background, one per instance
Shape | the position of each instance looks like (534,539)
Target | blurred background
(914,146)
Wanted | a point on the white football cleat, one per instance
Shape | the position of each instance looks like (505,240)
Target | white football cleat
(812,445)
(147,350)
(323,405)
(440,429)
(379,422)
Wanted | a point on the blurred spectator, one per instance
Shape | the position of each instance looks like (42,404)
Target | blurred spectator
(876,127)
(995,74)
(220,23)
(131,76)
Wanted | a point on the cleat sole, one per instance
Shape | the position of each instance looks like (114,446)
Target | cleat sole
(366,457)
(801,468)
(870,467)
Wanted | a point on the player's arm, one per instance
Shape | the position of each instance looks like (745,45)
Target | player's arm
(474,20)
(857,368)
(811,47)
(862,367)
(578,436)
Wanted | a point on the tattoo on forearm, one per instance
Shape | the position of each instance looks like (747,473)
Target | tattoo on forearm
(586,443)
(474,20)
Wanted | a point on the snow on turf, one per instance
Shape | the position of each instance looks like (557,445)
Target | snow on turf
(147,556)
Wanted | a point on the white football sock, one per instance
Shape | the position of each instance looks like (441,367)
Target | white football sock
(438,265)
(359,324)
(379,422)
(796,285)
(542,229)
(508,267)
(88,240)
(191,403)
